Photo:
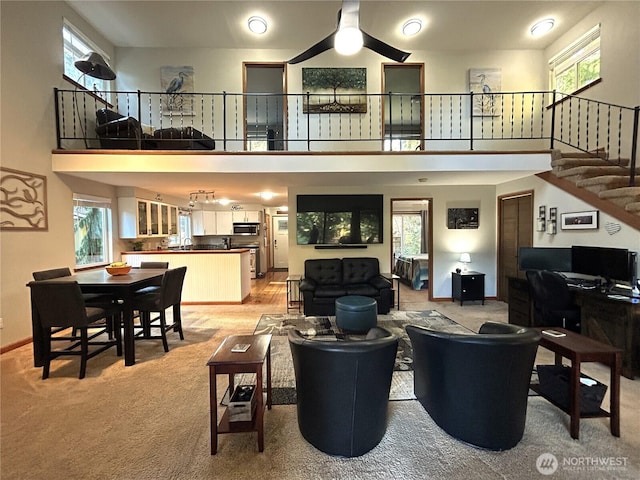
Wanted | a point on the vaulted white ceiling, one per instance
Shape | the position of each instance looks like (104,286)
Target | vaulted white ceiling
(295,25)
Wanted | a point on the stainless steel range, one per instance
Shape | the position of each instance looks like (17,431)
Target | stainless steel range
(254,257)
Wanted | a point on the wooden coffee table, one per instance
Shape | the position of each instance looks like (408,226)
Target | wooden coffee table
(226,362)
(579,348)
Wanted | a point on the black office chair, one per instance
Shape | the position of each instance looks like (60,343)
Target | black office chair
(553,302)
(60,306)
(169,295)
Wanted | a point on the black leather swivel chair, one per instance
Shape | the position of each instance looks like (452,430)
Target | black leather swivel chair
(475,387)
(343,390)
(553,302)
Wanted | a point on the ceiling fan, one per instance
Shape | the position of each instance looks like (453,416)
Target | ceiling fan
(348,38)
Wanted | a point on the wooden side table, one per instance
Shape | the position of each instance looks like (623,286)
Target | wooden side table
(294,300)
(578,349)
(226,362)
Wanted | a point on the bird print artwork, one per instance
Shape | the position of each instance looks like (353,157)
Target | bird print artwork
(177,83)
(485,83)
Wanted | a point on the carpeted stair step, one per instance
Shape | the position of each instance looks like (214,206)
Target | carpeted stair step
(633,207)
(602,183)
(621,196)
(565,163)
(576,174)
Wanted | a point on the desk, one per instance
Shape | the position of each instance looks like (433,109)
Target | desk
(612,321)
(224,361)
(121,287)
(578,349)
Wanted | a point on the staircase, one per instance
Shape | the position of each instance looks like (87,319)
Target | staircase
(602,183)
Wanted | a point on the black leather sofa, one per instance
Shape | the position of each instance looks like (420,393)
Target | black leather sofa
(343,389)
(117,131)
(475,387)
(327,279)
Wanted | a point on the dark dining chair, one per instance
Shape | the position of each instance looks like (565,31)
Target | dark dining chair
(158,265)
(169,295)
(60,306)
(91,299)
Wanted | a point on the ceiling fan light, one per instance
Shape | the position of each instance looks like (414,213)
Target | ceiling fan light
(411,27)
(542,27)
(257,25)
(348,41)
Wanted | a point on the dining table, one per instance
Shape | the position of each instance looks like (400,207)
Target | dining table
(121,287)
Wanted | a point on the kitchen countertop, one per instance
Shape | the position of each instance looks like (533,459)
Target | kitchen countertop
(148,252)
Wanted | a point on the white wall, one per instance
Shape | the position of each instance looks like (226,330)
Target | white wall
(31,65)
(447,244)
(551,196)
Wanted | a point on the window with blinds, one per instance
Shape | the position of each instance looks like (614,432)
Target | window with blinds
(92,230)
(578,65)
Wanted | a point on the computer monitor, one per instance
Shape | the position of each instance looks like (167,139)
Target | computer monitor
(544,258)
(609,263)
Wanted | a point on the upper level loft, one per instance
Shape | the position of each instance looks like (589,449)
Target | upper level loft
(391,123)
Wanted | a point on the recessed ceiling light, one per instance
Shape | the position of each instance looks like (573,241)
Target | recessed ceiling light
(542,27)
(411,27)
(257,25)
(266,195)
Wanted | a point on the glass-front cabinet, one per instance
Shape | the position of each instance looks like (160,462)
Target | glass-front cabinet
(145,218)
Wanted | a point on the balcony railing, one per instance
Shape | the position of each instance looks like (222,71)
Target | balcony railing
(403,122)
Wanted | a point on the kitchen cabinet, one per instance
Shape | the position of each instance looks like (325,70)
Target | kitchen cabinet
(224,223)
(145,218)
(246,216)
(203,222)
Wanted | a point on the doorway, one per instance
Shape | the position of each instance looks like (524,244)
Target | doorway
(280,231)
(403,106)
(515,217)
(412,242)
(264,106)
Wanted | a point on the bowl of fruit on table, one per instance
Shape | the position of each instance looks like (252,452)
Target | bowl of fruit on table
(118,268)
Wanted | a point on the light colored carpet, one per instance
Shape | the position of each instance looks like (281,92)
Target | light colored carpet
(151,421)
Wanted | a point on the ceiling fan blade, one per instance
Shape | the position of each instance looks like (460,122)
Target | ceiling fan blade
(318,48)
(383,49)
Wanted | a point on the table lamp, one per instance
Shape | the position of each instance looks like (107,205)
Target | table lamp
(465,258)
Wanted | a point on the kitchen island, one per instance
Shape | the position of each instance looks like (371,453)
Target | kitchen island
(213,276)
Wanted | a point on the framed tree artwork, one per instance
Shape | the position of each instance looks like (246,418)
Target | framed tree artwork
(335,90)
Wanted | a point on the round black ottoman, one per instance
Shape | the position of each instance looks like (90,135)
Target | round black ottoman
(355,313)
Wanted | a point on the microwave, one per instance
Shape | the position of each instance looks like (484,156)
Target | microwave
(246,228)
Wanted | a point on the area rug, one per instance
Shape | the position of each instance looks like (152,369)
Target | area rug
(282,373)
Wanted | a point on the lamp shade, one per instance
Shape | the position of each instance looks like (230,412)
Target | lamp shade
(465,258)
(95,66)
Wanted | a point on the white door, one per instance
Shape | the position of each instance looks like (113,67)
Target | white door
(280,241)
